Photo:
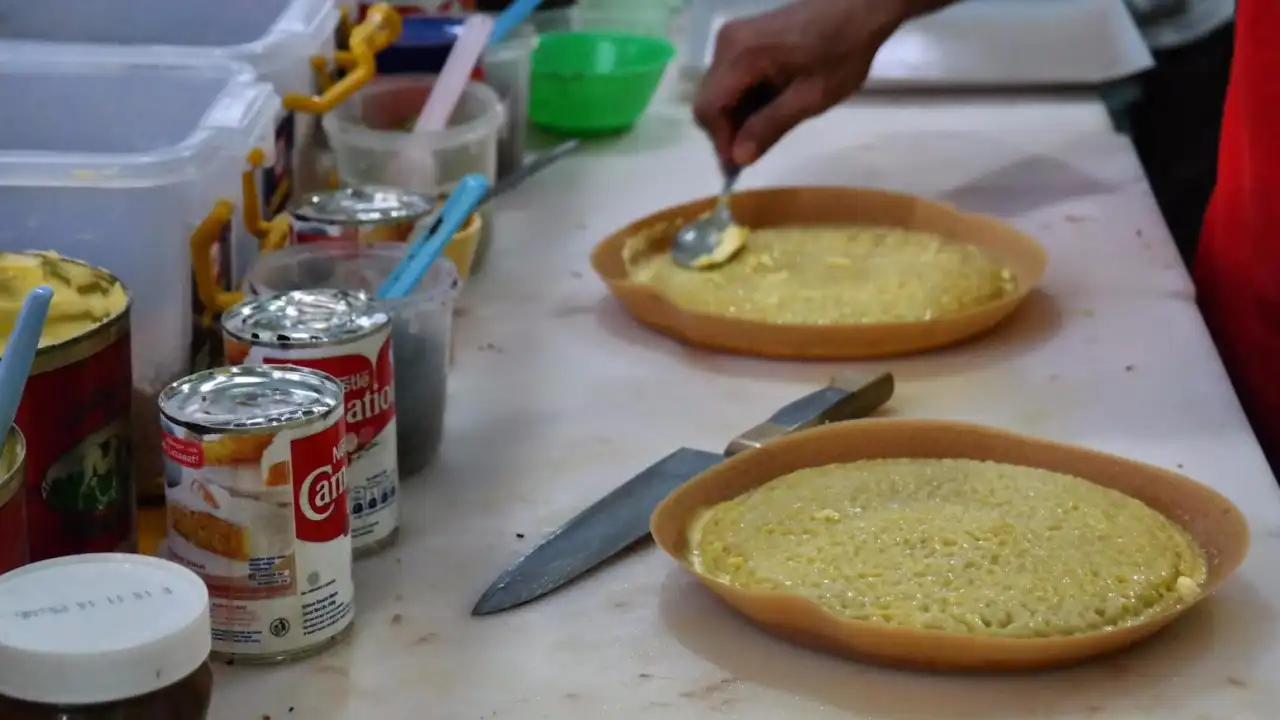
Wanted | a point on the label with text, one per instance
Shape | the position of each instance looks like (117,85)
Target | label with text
(365,370)
(263,518)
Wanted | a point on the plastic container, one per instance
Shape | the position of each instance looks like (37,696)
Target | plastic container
(423,48)
(118,164)
(595,83)
(278,38)
(636,17)
(551,15)
(508,69)
(415,8)
(555,20)
(372,148)
(421,327)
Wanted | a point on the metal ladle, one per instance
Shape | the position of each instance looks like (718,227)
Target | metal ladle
(695,244)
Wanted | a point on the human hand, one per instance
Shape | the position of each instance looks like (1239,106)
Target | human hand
(773,71)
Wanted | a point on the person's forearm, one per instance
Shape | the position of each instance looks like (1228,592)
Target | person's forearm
(887,15)
(908,9)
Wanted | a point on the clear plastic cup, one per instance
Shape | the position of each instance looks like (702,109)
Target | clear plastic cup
(369,137)
(372,147)
(637,18)
(508,69)
(422,324)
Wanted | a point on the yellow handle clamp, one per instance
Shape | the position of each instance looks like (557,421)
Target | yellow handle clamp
(381,27)
(272,235)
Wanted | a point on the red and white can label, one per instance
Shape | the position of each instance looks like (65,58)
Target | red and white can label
(309,231)
(263,519)
(365,370)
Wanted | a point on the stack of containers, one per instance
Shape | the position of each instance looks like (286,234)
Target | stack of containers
(133,131)
(119,163)
(278,38)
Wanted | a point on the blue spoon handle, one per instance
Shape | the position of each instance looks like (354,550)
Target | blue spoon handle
(425,249)
(20,352)
(511,18)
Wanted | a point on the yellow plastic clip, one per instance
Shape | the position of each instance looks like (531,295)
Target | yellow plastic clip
(274,233)
(324,76)
(207,234)
(271,235)
(380,27)
(345,27)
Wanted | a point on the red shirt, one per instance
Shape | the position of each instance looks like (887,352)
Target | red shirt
(1237,267)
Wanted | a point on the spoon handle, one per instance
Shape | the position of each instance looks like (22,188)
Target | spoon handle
(722,202)
(753,100)
(431,239)
(23,343)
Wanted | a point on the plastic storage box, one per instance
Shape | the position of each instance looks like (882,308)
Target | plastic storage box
(117,164)
(278,38)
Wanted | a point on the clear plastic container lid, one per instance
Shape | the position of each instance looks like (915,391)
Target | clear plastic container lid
(100,628)
(125,124)
(267,34)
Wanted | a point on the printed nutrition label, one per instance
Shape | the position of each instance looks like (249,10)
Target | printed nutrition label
(269,572)
(323,608)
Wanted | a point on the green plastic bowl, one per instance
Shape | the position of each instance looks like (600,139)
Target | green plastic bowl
(595,83)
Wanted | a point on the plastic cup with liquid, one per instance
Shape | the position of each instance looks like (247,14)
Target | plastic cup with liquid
(421,329)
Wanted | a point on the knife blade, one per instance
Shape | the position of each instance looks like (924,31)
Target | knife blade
(621,518)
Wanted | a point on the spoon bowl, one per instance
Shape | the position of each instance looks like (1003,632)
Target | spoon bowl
(702,244)
(696,244)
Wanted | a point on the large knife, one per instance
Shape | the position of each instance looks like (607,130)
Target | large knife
(621,518)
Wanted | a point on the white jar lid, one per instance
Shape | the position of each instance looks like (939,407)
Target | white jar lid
(100,628)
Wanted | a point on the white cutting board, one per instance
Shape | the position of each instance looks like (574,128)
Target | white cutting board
(974,43)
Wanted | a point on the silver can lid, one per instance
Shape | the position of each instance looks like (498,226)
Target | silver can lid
(251,397)
(369,205)
(305,318)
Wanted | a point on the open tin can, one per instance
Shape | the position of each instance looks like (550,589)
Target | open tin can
(359,215)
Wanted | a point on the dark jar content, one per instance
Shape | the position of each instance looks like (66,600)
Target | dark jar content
(187,699)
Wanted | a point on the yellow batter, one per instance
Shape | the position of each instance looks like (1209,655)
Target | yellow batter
(827,275)
(955,545)
(82,296)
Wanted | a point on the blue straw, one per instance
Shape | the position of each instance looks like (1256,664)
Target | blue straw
(427,246)
(511,18)
(20,353)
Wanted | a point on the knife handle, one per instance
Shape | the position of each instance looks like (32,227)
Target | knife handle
(846,397)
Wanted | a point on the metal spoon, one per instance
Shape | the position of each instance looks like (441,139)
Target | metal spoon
(695,244)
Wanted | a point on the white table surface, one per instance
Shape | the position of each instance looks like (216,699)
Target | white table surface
(557,397)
